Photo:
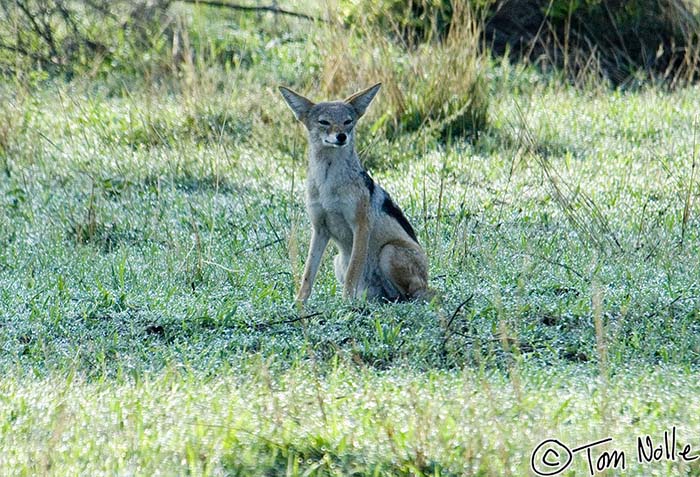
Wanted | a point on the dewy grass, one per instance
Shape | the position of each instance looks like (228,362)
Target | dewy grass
(200,230)
(156,273)
(252,421)
(149,242)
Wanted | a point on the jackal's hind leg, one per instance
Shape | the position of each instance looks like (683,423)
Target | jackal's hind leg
(407,268)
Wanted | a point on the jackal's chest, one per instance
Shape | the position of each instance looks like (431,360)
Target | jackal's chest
(339,230)
(330,212)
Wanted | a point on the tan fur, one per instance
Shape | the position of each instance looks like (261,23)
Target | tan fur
(379,255)
(360,243)
(406,265)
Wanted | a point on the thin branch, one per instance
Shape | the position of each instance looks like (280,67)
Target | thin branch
(249,8)
(45,34)
(22,51)
(262,326)
(260,247)
(456,312)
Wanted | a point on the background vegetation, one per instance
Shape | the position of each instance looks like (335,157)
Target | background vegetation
(152,232)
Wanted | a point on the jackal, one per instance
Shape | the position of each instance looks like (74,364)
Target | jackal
(379,254)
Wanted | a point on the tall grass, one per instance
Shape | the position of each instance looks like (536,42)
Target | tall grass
(625,43)
(437,85)
(150,244)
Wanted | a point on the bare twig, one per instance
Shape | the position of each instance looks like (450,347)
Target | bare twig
(259,247)
(24,52)
(456,312)
(261,326)
(250,8)
(44,33)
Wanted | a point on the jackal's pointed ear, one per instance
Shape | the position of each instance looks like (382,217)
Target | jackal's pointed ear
(297,103)
(360,100)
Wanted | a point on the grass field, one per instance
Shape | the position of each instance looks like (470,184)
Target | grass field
(151,239)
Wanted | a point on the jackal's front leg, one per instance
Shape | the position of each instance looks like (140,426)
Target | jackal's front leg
(319,241)
(360,244)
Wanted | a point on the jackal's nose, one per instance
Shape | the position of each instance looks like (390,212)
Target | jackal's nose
(341,138)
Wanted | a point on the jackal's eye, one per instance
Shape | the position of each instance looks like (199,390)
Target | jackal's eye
(348,121)
(323,122)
